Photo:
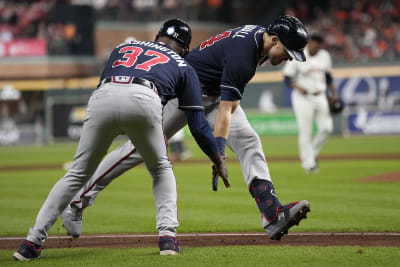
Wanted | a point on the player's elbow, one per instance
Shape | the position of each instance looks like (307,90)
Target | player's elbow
(228,107)
(198,130)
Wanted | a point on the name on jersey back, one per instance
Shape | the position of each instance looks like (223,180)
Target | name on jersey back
(178,59)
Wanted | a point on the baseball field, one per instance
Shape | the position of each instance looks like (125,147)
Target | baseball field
(354,219)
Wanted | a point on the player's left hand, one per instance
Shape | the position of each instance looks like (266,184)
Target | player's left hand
(215,177)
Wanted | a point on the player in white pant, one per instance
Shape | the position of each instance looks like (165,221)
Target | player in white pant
(309,81)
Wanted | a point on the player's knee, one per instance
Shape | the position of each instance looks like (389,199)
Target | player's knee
(253,137)
(159,166)
(304,138)
(327,128)
(247,139)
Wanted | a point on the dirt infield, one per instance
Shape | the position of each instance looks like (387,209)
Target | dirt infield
(387,177)
(217,239)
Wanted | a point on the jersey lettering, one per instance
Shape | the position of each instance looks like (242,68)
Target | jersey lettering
(158,59)
(242,33)
(131,53)
(214,39)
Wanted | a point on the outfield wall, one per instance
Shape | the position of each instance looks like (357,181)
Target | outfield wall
(371,94)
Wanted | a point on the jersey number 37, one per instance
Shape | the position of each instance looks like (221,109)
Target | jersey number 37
(131,54)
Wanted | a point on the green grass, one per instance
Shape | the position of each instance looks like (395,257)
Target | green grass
(273,146)
(216,256)
(339,202)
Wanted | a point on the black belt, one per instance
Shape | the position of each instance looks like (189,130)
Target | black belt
(315,93)
(208,91)
(128,80)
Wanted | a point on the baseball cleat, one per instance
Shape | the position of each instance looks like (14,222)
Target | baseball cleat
(313,169)
(289,215)
(168,245)
(72,220)
(27,251)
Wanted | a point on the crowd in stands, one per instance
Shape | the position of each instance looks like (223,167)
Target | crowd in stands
(155,10)
(23,19)
(30,19)
(355,31)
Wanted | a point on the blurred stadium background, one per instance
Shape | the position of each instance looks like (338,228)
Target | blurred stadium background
(52,52)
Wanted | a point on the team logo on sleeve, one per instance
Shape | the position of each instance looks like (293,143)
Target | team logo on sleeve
(215,39)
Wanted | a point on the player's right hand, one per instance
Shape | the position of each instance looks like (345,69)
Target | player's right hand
(220,170)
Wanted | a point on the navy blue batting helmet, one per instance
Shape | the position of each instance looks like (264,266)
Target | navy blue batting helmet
(292,34)
(178,30)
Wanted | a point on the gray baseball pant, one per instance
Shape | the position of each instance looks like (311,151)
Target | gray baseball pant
(115,109)
(242,140)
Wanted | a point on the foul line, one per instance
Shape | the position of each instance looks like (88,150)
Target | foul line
(214,234)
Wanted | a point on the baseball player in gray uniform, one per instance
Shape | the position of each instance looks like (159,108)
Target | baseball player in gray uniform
(224,64)
(309,81)
(138,80)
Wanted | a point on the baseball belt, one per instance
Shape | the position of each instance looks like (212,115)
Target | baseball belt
(128,80)
(315,93)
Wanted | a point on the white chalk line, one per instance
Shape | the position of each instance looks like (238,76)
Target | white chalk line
(213,235)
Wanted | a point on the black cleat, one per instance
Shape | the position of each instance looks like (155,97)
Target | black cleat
(168,245)
(289,215)
(27,251)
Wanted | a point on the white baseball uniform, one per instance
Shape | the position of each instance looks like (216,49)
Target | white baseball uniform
(310,75)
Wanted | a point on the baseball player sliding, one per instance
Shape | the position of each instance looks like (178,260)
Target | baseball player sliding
(309,80)
(139,78)
(224,64)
